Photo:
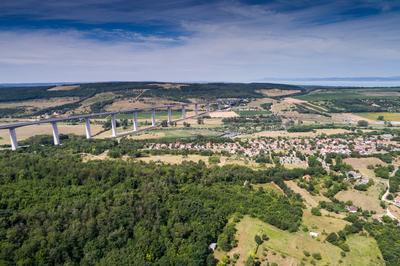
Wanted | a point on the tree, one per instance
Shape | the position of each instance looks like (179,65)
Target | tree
(362,123)
(381,118)
(259,241)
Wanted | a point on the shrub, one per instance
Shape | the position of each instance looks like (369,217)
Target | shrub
(317,256)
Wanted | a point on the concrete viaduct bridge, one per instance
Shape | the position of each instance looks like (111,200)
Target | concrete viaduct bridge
(154,124)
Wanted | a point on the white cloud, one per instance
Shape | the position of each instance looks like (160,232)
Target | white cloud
(267,44)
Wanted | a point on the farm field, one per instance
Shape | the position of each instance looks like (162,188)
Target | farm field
(164,133)
(253,113)
(386,115)
(285,248)
(45,129)
(258,102)
(64,88)
(130,103)
(277,92)
(40,103)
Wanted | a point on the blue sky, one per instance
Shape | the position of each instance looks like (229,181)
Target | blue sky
(240,41)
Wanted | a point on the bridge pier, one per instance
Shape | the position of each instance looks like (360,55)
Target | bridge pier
(135,122)
(219,106)
(113,126)
(13,138)
(56,136)
(169,114)
(183,112)
(153,117)
(208,107)
(196,109)
(88,130)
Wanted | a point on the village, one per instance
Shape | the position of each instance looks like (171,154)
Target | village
(289,147)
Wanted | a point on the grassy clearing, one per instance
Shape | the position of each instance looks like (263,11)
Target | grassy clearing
(287,248)
(310,200)
(386,115)
(322,223)
(258,102)
(361,164)
(367,200)
(269,186)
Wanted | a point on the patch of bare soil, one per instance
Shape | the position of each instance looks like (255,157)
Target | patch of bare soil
(64,88)
(277,92)
(40,103)
(169,86)
(223,114)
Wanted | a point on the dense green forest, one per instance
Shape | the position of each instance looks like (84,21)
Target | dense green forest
(201,90)
(56,209)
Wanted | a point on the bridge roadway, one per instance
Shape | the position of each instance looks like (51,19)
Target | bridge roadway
(56,138)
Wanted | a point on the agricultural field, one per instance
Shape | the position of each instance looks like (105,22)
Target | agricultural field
(277,92)
(355,100)
(253,113)
(285,248)
(258,102)
(45,129)
(386,116)
(64,88)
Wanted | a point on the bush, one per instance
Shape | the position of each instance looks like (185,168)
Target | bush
(362,123)
(316,211)
(317,256)
(214,159)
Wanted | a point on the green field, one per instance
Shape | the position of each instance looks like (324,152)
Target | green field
(386,115)
(334,94)
(286,248)
(147,115)
(253,113)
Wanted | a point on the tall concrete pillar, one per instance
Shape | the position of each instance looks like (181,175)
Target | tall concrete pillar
(56,136)
(88,130)
(169,114)
(153,117)
(113,126)
(13,138)
(135,122)
(183,111)
(219,106)
(208,107)
(196,109)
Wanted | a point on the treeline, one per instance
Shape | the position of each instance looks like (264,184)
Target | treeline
(56,209)
(197,90)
